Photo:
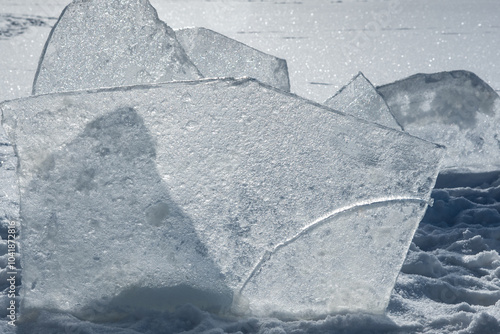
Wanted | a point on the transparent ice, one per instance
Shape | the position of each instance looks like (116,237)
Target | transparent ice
(360,98)
(216,55)
(223,188)
(456,109)
(110,43)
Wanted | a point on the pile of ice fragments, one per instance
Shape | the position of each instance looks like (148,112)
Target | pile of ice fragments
(149,177)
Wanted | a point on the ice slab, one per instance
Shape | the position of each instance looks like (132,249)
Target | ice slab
(216,55)
(110,43)
(456,109)
(189,191)
(360,98)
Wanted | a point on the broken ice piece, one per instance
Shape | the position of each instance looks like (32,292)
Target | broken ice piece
(216,55)
(110,43)
(220,193)
(360,98)
(456,109)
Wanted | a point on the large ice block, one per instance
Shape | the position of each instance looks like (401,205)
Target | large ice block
(360,98)
(107,43)
(223,193)
(456,109)
(216,55)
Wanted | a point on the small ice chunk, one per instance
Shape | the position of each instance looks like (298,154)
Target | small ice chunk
(216,55)
(221,193)
(456,109)
(109,43)
(360,98)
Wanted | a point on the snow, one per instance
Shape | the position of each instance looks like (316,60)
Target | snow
(360,98)
(216,55)
(107,51)
(450,280)
(456,245)
(456,109)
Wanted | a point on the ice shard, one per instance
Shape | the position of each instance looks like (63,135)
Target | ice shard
(360,98)
(216,55)
(456,109)
(222,193)
(110,43)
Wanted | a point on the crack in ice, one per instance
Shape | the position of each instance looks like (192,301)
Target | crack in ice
(320,221)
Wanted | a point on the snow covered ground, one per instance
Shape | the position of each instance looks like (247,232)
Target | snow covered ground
(450,282)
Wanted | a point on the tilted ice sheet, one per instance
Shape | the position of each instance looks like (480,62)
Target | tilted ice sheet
(216,55)
(360,98)
(110,43)
(190,187)
(456,109)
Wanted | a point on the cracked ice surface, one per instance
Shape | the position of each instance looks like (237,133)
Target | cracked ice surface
(360,98)
(216,55)
(212,188)
(361,244)
(456,109)
(93,46)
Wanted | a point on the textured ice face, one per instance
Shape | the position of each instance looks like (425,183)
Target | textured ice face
(223,187)
(360,98)
(456,109)
(9,191)
(216,55)
(110,43)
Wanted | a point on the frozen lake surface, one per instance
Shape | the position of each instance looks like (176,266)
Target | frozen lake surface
(324,42)
(450,282)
